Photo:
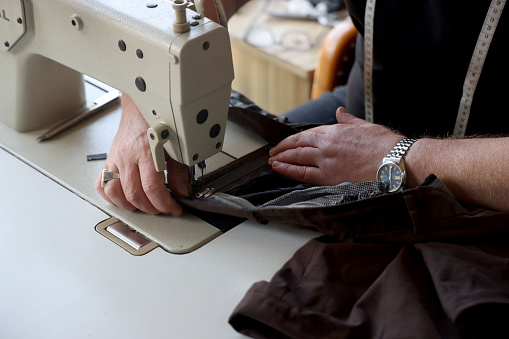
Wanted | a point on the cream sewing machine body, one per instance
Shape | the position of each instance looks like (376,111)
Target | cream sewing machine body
(179,75)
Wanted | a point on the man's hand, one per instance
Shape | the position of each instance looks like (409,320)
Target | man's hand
(349,151)
(140,186)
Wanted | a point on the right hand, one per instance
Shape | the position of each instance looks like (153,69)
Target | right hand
(140,186)
(349,151)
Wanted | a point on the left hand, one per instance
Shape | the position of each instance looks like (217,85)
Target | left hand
(350,151)
(140,186)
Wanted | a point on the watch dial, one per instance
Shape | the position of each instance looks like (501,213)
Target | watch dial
(391,176)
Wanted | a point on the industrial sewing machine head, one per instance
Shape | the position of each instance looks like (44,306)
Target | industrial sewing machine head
(173,62)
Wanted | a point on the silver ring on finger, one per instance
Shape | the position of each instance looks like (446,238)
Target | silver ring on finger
(107,176)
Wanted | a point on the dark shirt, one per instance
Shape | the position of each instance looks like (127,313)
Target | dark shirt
(422,50)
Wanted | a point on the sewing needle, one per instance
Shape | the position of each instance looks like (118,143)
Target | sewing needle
(103,102)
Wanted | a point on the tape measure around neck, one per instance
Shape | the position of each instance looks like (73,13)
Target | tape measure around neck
(476,65)
(473,73)
(369,22)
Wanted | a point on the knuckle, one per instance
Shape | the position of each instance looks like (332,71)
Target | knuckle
(302,173)
(151,188)
(296,137)
(297,154)
(131,192)
(133,196)
(111,190)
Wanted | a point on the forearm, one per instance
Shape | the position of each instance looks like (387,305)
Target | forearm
(475,170)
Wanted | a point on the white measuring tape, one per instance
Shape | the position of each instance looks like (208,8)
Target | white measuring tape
(369,22)
(473,73)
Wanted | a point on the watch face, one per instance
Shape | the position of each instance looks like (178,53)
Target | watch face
(390,174)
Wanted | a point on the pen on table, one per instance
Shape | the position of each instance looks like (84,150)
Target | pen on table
(103,102)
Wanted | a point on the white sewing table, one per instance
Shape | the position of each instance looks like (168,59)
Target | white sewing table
(60,278)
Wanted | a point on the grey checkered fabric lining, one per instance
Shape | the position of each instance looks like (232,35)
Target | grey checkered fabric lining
(320,196)
(437,183)
(323,196)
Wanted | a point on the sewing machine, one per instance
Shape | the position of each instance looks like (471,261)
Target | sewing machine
(173,62)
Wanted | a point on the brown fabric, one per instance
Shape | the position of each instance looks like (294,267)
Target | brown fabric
(346,290)
(235,173)
(271,130)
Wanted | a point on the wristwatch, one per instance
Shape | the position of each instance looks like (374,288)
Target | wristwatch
(391,171)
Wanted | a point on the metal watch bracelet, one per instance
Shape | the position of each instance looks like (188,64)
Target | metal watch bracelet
(401,148)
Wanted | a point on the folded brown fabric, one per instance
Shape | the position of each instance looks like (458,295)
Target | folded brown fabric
(346,290)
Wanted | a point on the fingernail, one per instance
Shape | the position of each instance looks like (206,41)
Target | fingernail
(276,164)
(271,160)
(342,110)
